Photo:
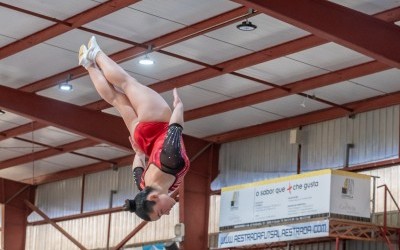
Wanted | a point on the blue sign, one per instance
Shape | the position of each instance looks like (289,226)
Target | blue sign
(154,247)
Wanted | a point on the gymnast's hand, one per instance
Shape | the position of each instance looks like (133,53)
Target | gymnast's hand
(177,113)
(177,100)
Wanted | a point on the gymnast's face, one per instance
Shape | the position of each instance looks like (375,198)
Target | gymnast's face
(163,205)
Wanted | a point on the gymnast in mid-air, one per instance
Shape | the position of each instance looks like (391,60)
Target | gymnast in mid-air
(156,132)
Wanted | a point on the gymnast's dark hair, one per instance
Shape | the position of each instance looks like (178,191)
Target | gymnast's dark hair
(140,205)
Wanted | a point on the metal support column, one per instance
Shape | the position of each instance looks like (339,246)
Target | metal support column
(337,243)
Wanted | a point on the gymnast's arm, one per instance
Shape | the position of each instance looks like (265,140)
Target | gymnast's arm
(138,168)
(177,113)
(139,160)
(138,165)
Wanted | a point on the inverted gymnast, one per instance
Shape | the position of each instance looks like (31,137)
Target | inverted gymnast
(156,132)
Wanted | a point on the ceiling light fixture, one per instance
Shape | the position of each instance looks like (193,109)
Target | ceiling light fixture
(305,98)
(303,103)
(147,60)
(247,25)
(66,86)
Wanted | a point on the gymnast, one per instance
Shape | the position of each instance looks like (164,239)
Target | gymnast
(156,132)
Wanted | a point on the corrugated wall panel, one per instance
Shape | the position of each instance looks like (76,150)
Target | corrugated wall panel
(126,186)
(91,232)
(392,219)
(58,199)
(258,158)
(324,144)
(64,198)
(98,189)
(123,223)
(46,237)
(390,177)
(375,135)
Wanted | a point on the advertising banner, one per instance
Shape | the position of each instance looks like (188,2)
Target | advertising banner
(295,197)
(311,229)
(350,194)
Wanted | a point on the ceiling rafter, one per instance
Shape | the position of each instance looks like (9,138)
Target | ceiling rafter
(289,90)
(238,63)
(295,88)
(136,51)
(22,129)
(65,116)
(234,64)
(61,149)
(35,125)
(88,169)
(229,66)
(390,16)
(234,19)
(60,28)
(79,171)
(306,119)
(315,98)
(333,22)
(47,153)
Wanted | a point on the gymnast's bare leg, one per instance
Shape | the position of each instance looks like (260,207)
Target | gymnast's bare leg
(147,104)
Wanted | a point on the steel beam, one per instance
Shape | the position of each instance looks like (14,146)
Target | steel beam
(195,195)
(333,22)
(79,216)
(158,43)
(67,25)
(295,88)
(66,116)
(12,195)
(238,63)
(75,172)
(62,149)
(22,129)
(306,119)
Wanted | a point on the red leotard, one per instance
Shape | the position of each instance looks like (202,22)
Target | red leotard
(150,136)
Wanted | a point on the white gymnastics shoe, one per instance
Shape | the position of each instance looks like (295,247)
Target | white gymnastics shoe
(83,60)
(93,49)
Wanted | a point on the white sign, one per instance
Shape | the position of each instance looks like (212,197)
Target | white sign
(312,229)
(350,195)
(316,194)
